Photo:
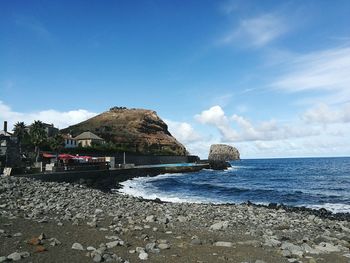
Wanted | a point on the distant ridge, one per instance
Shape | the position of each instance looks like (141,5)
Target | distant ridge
(137,130)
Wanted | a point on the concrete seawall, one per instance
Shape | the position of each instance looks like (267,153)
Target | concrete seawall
(106,180)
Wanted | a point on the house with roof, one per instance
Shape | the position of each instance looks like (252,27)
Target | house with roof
(87,139)
(69,141)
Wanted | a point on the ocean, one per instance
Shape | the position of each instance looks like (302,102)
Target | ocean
(310,182)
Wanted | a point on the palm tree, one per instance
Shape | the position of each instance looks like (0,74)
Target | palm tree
(20,131)
(56,144)
(38,136)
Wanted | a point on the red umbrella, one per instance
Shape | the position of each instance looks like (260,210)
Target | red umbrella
(65,156)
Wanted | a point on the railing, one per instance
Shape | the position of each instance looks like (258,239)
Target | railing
(81,167)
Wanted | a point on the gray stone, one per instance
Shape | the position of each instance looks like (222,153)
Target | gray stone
(54,242)
(14,256)
(150,218)
(3,259)
(324,247)
(112,244)
(293,249)
(97,258)
(272,242)
(196,241)
(219,225)
(181,219)
(163,246)
(77,246)
(223,244)
(152,247)
(139,249)
(143,256)
(309,249)
(112,237)
(98,211)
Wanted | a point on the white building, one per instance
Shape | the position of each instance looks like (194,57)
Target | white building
(69,141)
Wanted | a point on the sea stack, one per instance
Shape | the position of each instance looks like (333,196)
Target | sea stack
(220,154)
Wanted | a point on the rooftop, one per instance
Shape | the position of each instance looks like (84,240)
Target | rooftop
(88,136)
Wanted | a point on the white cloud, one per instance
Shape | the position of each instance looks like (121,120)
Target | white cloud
(257,31)
(324,114)
(324,71)
(183,131)
(60,119)
(216,117)
(239,129)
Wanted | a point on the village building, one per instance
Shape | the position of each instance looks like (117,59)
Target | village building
(9,148)
(69,141)
(87,139)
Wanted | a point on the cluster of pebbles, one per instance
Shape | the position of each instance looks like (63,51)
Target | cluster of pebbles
(298,236)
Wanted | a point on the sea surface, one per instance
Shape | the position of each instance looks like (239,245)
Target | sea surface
(311,182)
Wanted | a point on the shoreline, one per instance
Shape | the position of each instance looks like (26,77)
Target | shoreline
(320,212)
(125,229)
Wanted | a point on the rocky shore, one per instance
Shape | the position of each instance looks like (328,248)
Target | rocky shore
(60,222)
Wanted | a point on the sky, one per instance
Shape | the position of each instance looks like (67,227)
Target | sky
(271,78)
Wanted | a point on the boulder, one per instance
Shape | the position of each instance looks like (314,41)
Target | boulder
(220,154)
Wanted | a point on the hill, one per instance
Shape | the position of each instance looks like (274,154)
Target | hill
(135,130)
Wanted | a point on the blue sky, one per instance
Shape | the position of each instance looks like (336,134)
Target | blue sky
(270,77)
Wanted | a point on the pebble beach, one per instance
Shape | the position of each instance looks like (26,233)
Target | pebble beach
(60,222)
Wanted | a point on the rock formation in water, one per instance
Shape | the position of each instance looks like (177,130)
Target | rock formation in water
(135,130)
(220,154)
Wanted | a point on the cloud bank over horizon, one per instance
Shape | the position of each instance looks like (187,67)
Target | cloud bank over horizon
(319,131)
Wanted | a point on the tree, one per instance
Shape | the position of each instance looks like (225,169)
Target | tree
(56,144)
(20,131)
(37,136)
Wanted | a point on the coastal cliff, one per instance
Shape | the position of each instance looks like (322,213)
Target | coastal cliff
(136,130)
